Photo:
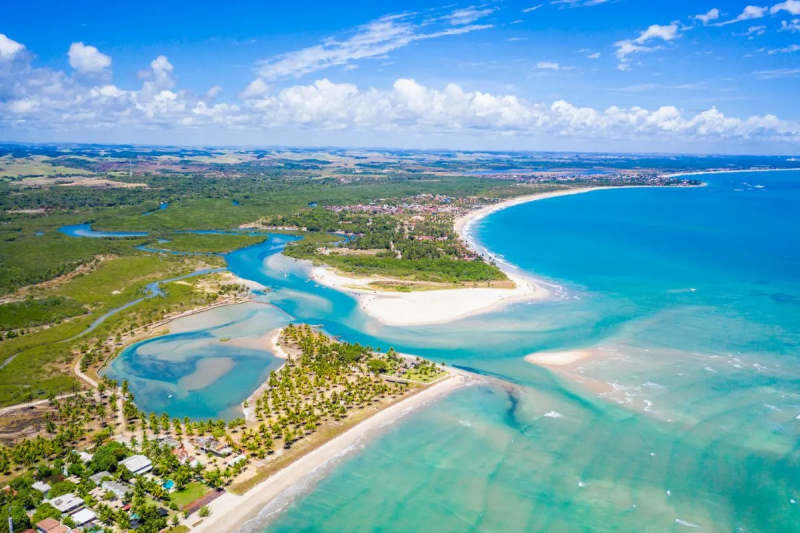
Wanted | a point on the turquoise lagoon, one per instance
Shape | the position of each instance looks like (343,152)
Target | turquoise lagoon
(686,418)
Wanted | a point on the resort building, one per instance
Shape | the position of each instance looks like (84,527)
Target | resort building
(84,517)
(212,445)
(137,464)
(51,525)
(169,441)
(98,477)
(42,487)
(119,489)
(67,503)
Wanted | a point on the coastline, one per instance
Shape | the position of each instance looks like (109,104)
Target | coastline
(231,512)
(447,305)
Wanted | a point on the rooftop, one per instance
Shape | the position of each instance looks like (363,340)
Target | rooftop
(137,463)
(83,516)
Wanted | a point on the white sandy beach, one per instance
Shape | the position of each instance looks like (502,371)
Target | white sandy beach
(430,306)
(229,512)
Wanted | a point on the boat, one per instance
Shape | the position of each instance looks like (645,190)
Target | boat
(170,396)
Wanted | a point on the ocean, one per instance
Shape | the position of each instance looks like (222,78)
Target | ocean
(686,417)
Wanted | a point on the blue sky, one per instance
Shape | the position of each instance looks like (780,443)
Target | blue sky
(595,75)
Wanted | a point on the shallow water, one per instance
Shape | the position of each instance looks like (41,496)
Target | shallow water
(685,419)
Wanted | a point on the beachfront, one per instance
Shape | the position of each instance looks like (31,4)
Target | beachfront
(230,511)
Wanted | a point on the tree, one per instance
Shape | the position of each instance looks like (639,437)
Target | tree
(45,510)
(204,511)
(61,488)
(18,517)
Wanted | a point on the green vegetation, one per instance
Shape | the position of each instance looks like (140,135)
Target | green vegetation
(207,242)
(431,270)
(193,492)
(34,312)
(414,247)
(41,362)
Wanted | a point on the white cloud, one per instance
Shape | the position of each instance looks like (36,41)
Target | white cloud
(516,39)
(579,3)
(532,8)
(792,6)
(788,50)
(85,58)
(749,13)
(631,46)
(257,87)
(548,65)
(777,73)
(369,41)
(595,55)
(756,31)
(468,15)
(41,99)
(9,48)
(793,26)
(713,14)
(213,92)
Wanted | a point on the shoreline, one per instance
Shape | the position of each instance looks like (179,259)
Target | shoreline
(231,512)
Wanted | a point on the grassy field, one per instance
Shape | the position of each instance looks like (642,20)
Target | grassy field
(30,167)
(34,312)
(193,492)
(207,243)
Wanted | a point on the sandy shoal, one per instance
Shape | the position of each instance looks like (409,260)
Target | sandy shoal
(229,511)
(559,359)
(429,306)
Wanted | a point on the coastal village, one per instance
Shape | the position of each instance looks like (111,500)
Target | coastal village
(101,465)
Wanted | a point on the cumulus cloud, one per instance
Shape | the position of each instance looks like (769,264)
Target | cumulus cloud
(631,46)
(370,41)
(749,13)
(793,26)
(257,87)
(9,48)
(791,6)
(39,98)
(705,18)
(85,58)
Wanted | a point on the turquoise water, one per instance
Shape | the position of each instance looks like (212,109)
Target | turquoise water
(684,419)
(85,230)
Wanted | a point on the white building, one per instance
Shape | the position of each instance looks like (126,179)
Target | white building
(66,503)
(84,517)
(42,487)
(138,464)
